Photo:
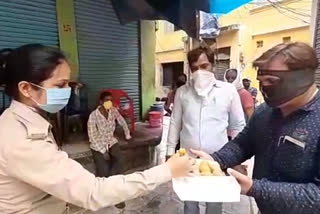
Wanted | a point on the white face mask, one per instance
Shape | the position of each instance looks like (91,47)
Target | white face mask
(203,82)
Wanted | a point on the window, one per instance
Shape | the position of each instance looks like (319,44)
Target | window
(259,44)
(171,72)
(286,39)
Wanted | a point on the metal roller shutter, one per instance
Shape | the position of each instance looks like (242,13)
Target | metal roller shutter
(108,51)
(221,67)
(23,22)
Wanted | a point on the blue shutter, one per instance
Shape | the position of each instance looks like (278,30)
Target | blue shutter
(23,22)
(108,51)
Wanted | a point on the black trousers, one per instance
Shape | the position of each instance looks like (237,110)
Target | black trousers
(106,167)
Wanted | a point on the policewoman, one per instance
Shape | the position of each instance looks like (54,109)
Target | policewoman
(37,178)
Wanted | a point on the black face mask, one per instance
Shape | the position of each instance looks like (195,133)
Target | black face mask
(290,85)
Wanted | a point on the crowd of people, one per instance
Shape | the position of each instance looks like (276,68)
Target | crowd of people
(211,119)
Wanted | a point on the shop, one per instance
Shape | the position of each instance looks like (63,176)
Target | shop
(108,54)
(23,22)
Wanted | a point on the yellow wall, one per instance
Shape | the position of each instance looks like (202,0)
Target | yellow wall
(264,23)
(170,56)
(169,48)
(230,39)
(168,41)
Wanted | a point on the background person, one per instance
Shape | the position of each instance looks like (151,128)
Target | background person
(202,113)
(233,76)
(182,79)
(104,146)
(252,90)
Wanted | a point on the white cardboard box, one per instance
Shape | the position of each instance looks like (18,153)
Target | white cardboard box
(207,189)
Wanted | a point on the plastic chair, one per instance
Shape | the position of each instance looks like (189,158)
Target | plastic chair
(117,94)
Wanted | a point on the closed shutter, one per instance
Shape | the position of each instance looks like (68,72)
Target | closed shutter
(221,67)
(108,51)
(23,22)
(317,43)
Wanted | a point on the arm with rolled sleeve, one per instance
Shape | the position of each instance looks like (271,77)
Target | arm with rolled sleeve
(175,124)
(236,115)
(41,165)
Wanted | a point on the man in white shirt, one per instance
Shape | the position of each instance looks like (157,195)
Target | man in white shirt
(203,112)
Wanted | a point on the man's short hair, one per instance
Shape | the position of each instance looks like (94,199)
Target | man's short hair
(297,55)
(105,94)
(194,55)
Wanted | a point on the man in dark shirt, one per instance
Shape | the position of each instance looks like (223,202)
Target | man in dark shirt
(283,135)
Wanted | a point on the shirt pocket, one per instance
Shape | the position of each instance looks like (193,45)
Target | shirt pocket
(216,111)
(290,159)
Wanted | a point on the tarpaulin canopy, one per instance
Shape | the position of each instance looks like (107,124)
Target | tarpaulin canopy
(182,13)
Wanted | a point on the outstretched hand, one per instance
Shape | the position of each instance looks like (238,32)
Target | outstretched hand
(201,154)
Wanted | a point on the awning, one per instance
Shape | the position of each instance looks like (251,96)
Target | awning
(181,13)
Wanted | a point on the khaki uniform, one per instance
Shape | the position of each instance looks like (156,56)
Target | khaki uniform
(37,178)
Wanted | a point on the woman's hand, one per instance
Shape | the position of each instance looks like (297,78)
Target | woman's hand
(179,166)
(244,181)
(201,154)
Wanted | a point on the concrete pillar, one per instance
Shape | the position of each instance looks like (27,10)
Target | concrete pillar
(68,34)
(148,68)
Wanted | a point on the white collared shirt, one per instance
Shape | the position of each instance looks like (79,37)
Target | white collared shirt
(203,125)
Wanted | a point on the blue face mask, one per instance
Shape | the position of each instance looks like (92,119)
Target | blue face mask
(57,99)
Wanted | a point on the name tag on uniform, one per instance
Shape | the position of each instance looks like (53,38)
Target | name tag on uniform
(37,136)
(294,141)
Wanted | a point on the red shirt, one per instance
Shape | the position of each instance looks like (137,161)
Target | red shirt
(246,99)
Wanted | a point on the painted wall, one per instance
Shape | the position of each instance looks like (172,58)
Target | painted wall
(169,48)
(148,45)
(68,34)
(265,24)
(68,43)
(230,39)
(168,41)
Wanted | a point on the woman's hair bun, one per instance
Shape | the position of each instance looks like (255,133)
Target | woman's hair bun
(3,61)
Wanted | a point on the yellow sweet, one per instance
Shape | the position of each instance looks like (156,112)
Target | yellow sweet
(182,151)
(207,168)
(204,168)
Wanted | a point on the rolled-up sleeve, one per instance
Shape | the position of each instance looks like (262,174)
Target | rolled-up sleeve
(175,124)
(41,165)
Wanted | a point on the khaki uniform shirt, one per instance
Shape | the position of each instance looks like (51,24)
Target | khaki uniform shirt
(35,177)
